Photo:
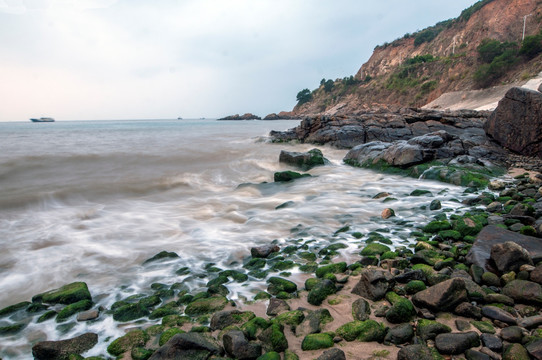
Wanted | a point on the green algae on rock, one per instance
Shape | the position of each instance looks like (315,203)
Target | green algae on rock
(206,306)
(317,341)
(66,294)
(135,338)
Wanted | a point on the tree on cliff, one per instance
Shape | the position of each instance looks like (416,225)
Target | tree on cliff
(303,96)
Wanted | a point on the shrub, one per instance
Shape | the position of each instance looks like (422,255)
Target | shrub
(328,85)
(420,59)
(532,46)
(490,49)
(304,96)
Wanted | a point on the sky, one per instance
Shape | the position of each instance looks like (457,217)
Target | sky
(160,59)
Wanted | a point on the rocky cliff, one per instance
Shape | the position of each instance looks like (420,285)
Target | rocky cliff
(420,67)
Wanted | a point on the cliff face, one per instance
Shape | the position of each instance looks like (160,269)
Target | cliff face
(418,68)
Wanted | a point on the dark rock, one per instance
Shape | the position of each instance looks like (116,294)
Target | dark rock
(237,346)
(515,123)
(263,251)
(536,274)
(531,321)
(180,346)
(469,310)
(273,338)
(246,116)
(373,284)
(443,296)
(535,349)
(321,291)
(61,350)
(332,354)
(409,276)
(162,255)
(524,291)
(509,256)
(361,309)
(400,334)
(285,176)
(304,161)
(88,315)
(313,322)
(513,334)
(462,325)
(492,342)
(418,352)
(476,355)
(429,329)
(67,294)
(456,343)
(276,306)
(222,319)
(499,314)
(491,235)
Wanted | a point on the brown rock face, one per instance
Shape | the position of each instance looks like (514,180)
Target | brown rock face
(515,124)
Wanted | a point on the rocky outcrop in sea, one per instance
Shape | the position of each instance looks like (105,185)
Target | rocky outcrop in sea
(247,116)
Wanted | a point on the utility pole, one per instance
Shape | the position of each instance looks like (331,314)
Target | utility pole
(524,22)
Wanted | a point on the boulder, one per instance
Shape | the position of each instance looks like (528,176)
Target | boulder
(418,352)
(496,313)
(313,322)
(305,161)
(332,354)
(524,291)
(480,252)
(276,306)
(509,256)
(238,347)
(263,251)
(373,284)
(456,343)
(442,296)
(181,346)
(515,123)
(361,310)
(67,294)
(61,350)
(535,349)
(399,334)
(222,319)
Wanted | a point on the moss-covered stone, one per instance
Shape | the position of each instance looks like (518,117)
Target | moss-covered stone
(317,341)
(421,192)
(237,276)
(8,310)
(429,329)
(163,311)
(277,284)
(484,326)
(11,329)
(450,235)
(283,265)
(334,268)
(401,310)
(175,320)
(374,249)
(321,291)
(271,355)
(292,318)
(140,353)
(168,334)
(73,309)
(150,301)
(468,225)
(515,352)
(388,255)
(368,330)
(67,294)
(254,327)
(255,264)
(135,338)
(273,338)
(161,255)
(414,286)
(206,306)
(48,315)
(283,176)
(290,355)
(130,312)
(435,226)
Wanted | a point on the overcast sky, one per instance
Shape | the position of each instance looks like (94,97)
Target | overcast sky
(134,59)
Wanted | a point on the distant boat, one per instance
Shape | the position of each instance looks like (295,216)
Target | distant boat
(179,118)
(43,119)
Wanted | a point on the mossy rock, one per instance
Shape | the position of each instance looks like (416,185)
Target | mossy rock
(135,338)
(450,235)
(271,355)
(253,327)
(484,326)
(528,230)
(290,355)
(255,264)
(368,330)
(140,353)
(421,192)
(388,255)
(237,276)
(429,257)
(292,318)
(262,295)
(48,315)
(468,225)
(67,294)
(317,341)
(11,329)
(321,291)
(283,265)
(374,249)
(163,311)
(168,334)
(36,307)
(183,271)
(155,330)
(160,256)
(277,284)
(175,320)
(8,310)
(150,301)
(401,310)
(284,176)
(335,268)
(73,309)
(429,329)
(414,286)
(217,281)
(130,312)
(436,226)
(273,338)
(206,306)
(515,352)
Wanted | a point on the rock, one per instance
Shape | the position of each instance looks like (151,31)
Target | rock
(332,354)
(491,341)
(462,325)
(61,350)
(429,329)
(222,319)
(531,321)
(304,161)
(130,312)
(524,291)
(399,334)
(469,310)
(443,296)
(88,315)
(499,314)
(515,123)
(410,275)
(418,352)
(456,343)
(180,346)
(509,256)
(435,205)
(246,116)
(491,235)
(373,284)
(536,274)
(321,291)
(8,310)
(263,251)
(365,331)
(535,349)
(361,310)
(515,352)
(238,347)
(273,338)
(206,306)
(512,334)
(67,294)
(401,310)
(284,176)
(476,355)
(387,213)
(313,322)
(277,284)
(132,339)
(73,309)
(317,341)
(276,306)
(161,255)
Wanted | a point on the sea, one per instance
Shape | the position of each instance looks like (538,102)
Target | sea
(92,200)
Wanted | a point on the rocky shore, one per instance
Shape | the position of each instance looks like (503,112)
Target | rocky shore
(467,284)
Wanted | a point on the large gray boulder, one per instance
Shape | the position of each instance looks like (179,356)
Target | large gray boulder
(60,350)
(456,343)
(442,296)
(304,161)
(373,284)
(180,346)
(509,256)
(515,123)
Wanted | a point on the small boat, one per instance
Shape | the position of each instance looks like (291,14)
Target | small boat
(43,119)
(179,118)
